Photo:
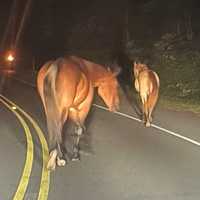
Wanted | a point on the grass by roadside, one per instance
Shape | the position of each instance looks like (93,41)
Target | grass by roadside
(180,105)
(177,63)
(180,82)
(171,103)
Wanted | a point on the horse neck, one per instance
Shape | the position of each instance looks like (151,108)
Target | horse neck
(96,72)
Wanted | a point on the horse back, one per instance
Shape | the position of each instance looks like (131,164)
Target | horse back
(94,71)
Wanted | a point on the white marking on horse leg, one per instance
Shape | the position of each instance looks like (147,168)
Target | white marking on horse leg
(51,165)
(79,131)
(147,124)
(61,162)
(75,159)
(143,98)
(150,115)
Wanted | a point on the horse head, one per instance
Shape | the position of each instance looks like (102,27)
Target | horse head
(138,67)
(108,89)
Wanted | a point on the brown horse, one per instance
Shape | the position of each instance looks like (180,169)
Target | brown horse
(147,84)
(66,87)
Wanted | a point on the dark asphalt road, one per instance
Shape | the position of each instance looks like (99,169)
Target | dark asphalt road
(127,161)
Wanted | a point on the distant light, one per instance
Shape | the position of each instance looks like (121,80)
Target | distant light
(10,58)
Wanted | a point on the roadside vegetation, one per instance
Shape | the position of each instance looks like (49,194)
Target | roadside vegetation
(164,35)
(177,61)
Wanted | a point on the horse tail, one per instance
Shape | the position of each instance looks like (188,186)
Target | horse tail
(153,96)
(52,112)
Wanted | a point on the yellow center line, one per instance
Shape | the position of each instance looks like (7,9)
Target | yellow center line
(45,178)
(20,192)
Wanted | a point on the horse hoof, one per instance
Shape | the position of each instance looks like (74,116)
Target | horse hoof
(61,162)
(76,157)
(148,124)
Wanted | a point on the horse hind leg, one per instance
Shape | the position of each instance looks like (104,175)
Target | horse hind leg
(151,104)
(144,99)
(147,118)
(51,165)
(61,161)
(60,158)
(56,158)
(150,113)
(56,155)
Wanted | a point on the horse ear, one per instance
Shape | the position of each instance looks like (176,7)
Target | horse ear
(117,71)
(108,69)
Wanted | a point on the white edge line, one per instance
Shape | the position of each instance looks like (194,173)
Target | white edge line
(153,125)
(23,81)
(133,118)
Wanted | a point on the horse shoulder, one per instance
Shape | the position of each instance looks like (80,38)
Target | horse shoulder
(82,88)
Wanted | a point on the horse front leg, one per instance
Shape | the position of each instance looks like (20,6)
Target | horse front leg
(78,116)
(74,116)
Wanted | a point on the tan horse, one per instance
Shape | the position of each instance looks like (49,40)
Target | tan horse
(147,84)
(66,87)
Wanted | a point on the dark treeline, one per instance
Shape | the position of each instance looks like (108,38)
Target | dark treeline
(55,27)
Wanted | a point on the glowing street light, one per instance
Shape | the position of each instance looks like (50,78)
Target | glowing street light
(10,57)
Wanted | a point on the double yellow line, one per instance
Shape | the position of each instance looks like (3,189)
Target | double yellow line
(45,177)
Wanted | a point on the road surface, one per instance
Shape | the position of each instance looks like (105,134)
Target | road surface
(126,161)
